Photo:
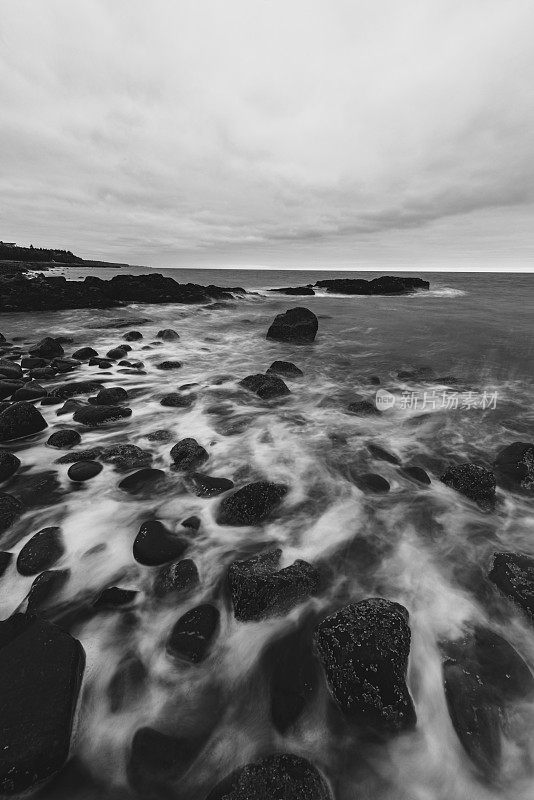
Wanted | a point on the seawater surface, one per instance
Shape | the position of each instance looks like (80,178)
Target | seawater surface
(427,548)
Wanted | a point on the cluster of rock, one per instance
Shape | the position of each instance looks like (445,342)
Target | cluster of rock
(387,284)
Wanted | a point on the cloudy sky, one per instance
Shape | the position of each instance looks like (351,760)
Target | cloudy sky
(270,132)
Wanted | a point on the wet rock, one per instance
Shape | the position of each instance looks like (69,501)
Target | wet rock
(47,348)
(278,777)
(417,474)
(109,397)
(5,561)
(97,361)
(155,544)
(193,523)
(69,407)
(30,391)
(298,290)
(193,634)
(114,597)
(80,455)
(364,648)
(51,401)
(75,388)
(127,683)
(207,486)
(370,482)
(31,362)
(386,284)
(381,454)
(295,325)
(364,408)
(10,370)
(41,551)
(7,388)
(84,353)
(250,505)
(168,335)
(45,588)
(168,365)
(176,400)
(84,470)
(161,435)
(39,488)
(94,416)
(156,761)
(20,420)
(143,480)
(64,439)
(293,678)
(260,590)
(125,457)
(513,574)
(10,510)
(285,368)
(265,386)
(65,364)
(514,466)
(474,482)
(116,353)
(132,336)
(181,576)
(188,455)
(42,668)
(9,464)
(374,380)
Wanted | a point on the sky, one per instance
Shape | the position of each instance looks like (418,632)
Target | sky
(298,133)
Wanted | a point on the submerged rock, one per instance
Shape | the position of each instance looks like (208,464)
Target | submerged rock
(42,668)
(20,420)
(41,551)
(285,368)
(125,457)
(250,505)
(155,544)
(67,390)
(168,365)
(44,588)
(265,386)
(297,325)
(147,479)
(298,290)
(207,486)
(193,633)
(47,348)
(364,649)
(513,574)
(110,396)
(114,597)
(417,474)
(371,482)
(364,408)
(188,455)
(177,400)
(80,455)
(156,761)
(6,559)
(64,439)
(94,416)
(10,510)
(168,335)
(278,777)
(9,464)
(474,482)
(381,454)
(293,678)
(514,466)
(178,577)
(84,353)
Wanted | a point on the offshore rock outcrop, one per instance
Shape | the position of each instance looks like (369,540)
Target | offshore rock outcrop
(386,284)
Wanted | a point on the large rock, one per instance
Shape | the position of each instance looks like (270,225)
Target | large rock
(94,416)
(278,777)
(259,589)
(514,466)
(285,368)
(387,284)
(47,348)
(41,551)
(42,668)
(125,457)
(155,544)
(66,390)
(10,510)
(9,370)
(252,504)
(63,439)
(364,649)
(193,634)
(297,325)
(188,455)
(110,396)
(20,420)
(513,574)
(9,464)
(474,482)
(265,386)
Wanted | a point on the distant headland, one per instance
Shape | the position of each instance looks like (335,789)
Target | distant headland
(17,258)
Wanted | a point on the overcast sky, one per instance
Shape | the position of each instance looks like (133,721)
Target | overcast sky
(270,132)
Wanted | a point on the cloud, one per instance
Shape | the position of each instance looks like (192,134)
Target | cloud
(175,130)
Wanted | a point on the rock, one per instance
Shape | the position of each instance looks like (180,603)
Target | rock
(297,325)
(175,400)
(161,435)
(513,574)
(65,364)
(381,454)
(364,408)
(84,354)
(168,335)
(278,777)
(75,388)
(84,470)
(20,420)
(9,464)
(38,488)
(265,386)
(116,353)
(44,588)
(69,407)
(41,551)
(293,678)
(110,397)
(80,455)
(30,391)
(10,370)
(47,348)
(422,374)
(299,290)
(207,486)
(132,336)
(193,523)
(251,504)
(168,365)
(285,368)
(474,482)
(374,380)
(260,590)
(193,634)
(94,416)
(156,761)
(143,480)
(384,285)
(155,545)
(370,482)
(364,648)
(417,474)
(99,362)
(10,510)
(51,401)
(188,455)
(178,577)
(5,561)
(64,439)
(483,676)
(114,597)
(42,668)
(125,457)
(127,683)
(7,388)
(514,466)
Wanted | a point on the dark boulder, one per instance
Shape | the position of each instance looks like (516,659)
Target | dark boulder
(66,390)
(69,407)
(127,683)
(207,486)
(259,589)
(168,365)
(251,505)
(514,466)
(9,464)
(297,325)
(30,391)
(84,353)
(416,474)
(110,396)
(47,348)
(31,362)
(371,482)
(42,668)
(188,455)
(177,400)
(9,370)
(474,482)
(364,649)
(193,523)
(45,588)
(65,364)
(293,679)
(82,471)
(381,454)
(41,551)
(181,576)
(278,777)
(291,290)
(80,455)
(10,510)
(114,597)
(193,634)
(6,559)
(116,353)
(125,457)
(20,420)
(386,284)
(8,387)
(513,574)
(64,439)
(132,336)
(155,544)
(94,416)
(265,386)
(364,408)
(144,480)
(285,368)
(168,335)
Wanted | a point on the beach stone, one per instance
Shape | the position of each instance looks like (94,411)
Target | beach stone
(132,336)
(41,551)
(33,362)
(20,420)
(5,561)
(370,482)
(168,335)
(278,777)
(116,353)
(51,401)
(64,439)
(94,416)
(175,400)
(143,480)
(514,466)
(47,348)
(298,325)
(80,455)
(168,365)
(381,454)
(513,574)
(285,368)
(178,577)
(84,353)
(42,668)
(251,504)
(265,386)
(125,457)
(207,486)
(82,471)
(44,589)
(364,648)
(417,474)
(30,391)
(188,454)
(67,390)
(364,408)
(161,435)
(10,370)
(10,510)
(9,464)
(474,482)
(110,396)
(259,589)
(193,634)
(155,544)
(7,388)
(65,364)
(156,761)
(114,597)
(103,364)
